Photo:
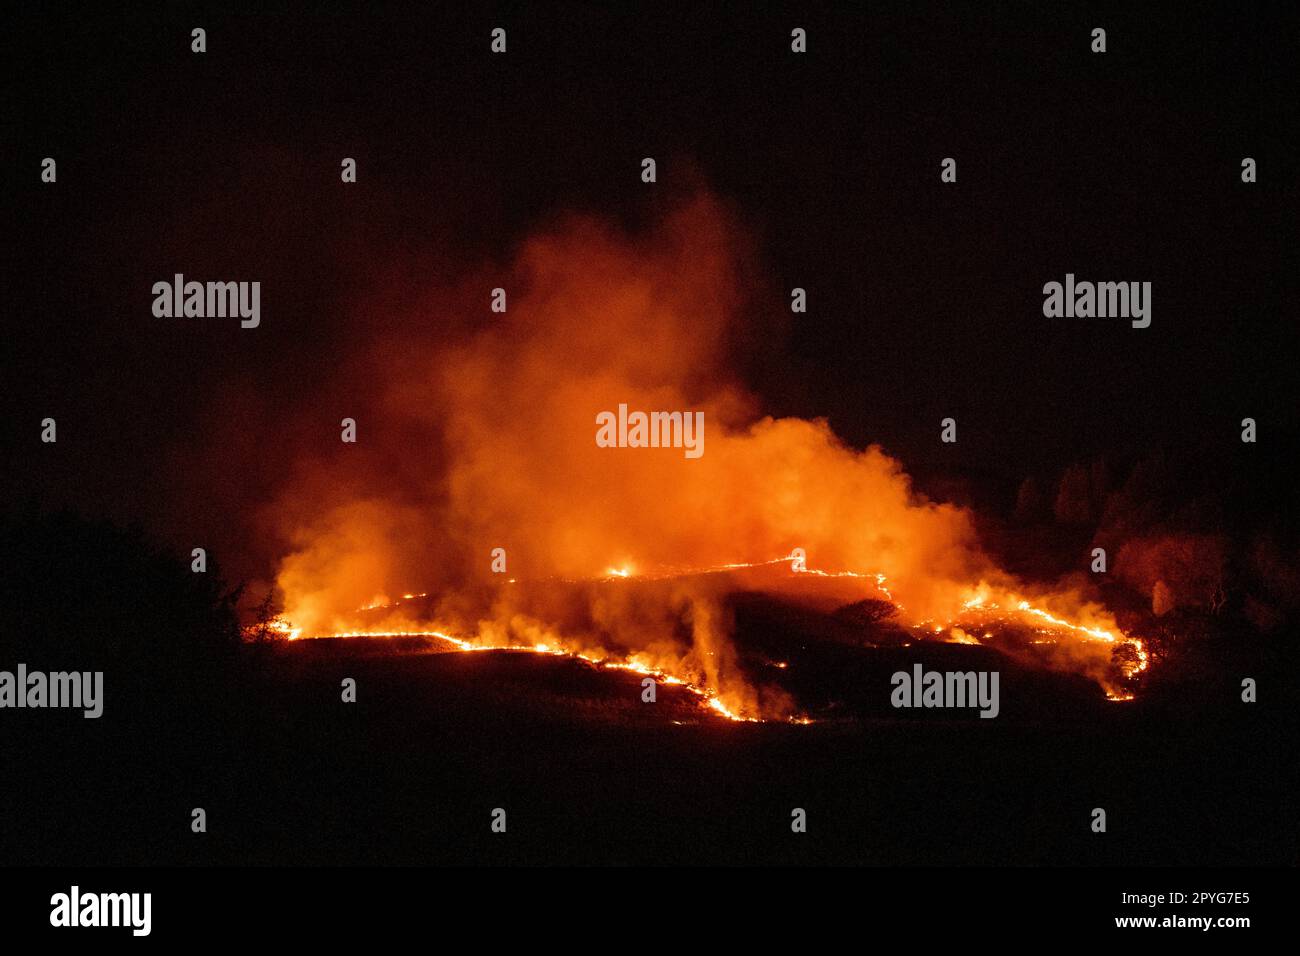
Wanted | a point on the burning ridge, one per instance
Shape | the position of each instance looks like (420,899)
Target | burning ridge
(1000,619)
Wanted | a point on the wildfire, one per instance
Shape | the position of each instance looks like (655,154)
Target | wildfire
(508,409)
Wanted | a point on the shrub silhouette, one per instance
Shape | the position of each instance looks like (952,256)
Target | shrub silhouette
(77,594)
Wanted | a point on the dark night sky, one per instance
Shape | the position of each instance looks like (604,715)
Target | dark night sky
(925,298)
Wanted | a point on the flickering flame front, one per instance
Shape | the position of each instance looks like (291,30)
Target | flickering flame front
(986,608)
(981,611)
(707,697)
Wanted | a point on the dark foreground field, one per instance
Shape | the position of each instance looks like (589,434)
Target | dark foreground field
(410,773)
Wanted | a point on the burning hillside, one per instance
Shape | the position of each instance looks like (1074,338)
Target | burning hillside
(665,625)
(478,479)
